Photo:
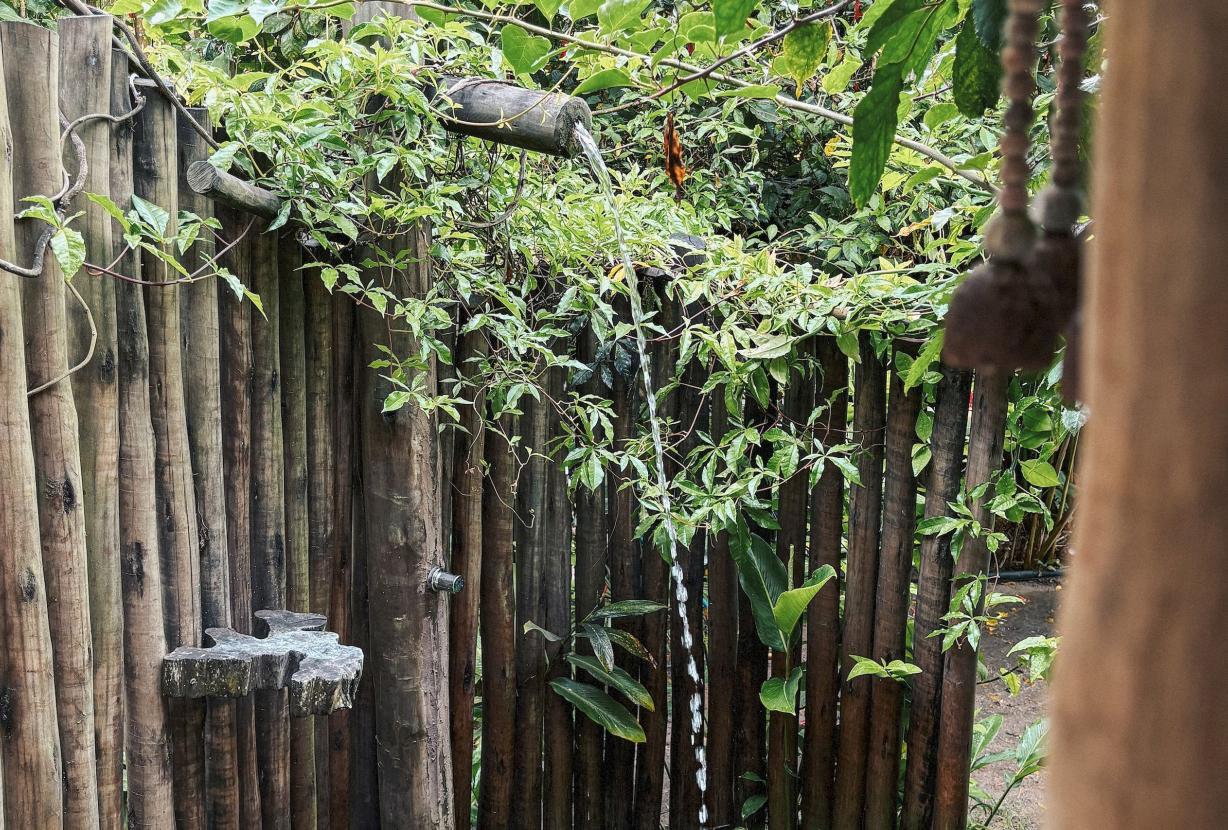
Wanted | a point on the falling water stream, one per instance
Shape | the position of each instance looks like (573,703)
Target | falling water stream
(592,153)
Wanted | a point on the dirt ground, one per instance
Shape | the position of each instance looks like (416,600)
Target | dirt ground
(1024,808)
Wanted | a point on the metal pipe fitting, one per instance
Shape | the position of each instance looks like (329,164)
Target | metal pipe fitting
(442,582)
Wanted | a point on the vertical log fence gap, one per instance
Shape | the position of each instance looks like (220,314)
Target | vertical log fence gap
(218,456)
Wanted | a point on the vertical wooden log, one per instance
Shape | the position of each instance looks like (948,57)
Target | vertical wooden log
(466,486)
(891,610)
(236,373)
(792,502)
(203,398)
(591,518)
(33,794)
(865,513)
(933,597)
(823,616)
(650,756)
(85,50)
(31,60)
(624,562)
(269,522)
(751,670)
(1141,667)
(986,435)
(531,541)
(147,761)
(722,658)
(686,800)
(556,605)
(408,621)
(293,355)
(363,772)
(155,179)
(341,551)
(323,448)
(498,623)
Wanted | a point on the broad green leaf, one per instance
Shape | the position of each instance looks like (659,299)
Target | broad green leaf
(988,17)
(865,666)
(790,605)
(731,15)
(163,11)
(774,345)
(260,10)
(152,215)
(753,805)
(524,53)
(113,209)
(884,25)
(69,250)
(837,80)
(600,708)
(628,643)
(616,15)
(548,8)
(616,678)
(847,343)
(802,52)
(218,9)
(926,358)
(779,694)
(874,123)
(582,8)
(1039,473)
(765,91)
(599,638)
(940,114)
(234,29)
(763,578)
(975,75)
(605,79)
(626,608)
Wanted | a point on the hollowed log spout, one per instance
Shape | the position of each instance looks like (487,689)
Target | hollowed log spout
(544,122)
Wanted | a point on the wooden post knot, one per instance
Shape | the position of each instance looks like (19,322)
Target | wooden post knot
(321,674)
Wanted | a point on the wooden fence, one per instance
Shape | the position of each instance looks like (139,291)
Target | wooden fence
(209,461)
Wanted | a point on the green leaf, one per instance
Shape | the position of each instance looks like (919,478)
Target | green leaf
(976,74)
(616,15)
(163,11)
(802,52)
(626,608)
(582,8)
(837,80)
(111,208)
(600,708)
(599,637)
(865,666)
(774,345)
(753,805)
(548,8)
(874,123)
(763,578)
(988,18)
(847,343)
(605,79)
(152,215)
(764,91)
(69,250)
(790,605)
(532,626)
(888,21)
(616,678)
(524,53)
(234,29)
(628,643)
(1039,473)
(940,114)
(925,359)
(779,694)
(730,15)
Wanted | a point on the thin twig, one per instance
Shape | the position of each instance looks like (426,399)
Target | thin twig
(745,51)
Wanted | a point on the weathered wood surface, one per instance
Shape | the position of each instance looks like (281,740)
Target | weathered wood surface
(823,615)
(508,114)
(85,88)
(296,654)
(31,63)
(31,752)
(230,190)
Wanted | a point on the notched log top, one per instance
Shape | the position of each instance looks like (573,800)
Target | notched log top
(321,674)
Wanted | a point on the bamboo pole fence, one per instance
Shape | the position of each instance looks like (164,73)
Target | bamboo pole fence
(212,459)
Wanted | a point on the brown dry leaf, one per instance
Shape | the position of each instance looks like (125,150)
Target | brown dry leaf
(673,155)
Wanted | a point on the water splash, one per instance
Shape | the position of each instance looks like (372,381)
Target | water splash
(592,153)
